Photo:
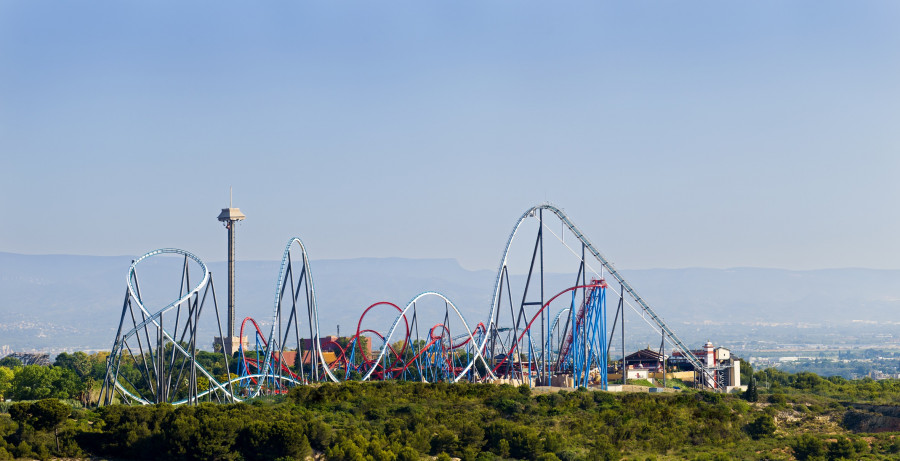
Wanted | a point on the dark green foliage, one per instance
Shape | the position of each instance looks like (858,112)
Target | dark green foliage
(273,439)
(43,415)
(762,426)
(78,362)
(752,392)
(387,421)
(407,454)
(842,448)
(7,426)
(778,399)
(522,442)
(132,432)
(23,450)
(215,362)
(808,447)
(807,380)
(10,362)
(207,431)
(548,457)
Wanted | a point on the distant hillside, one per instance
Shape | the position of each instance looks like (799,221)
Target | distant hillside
(59,301)
(772,295)
(56,301)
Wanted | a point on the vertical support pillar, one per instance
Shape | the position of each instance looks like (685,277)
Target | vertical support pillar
(585,366)
(544,372)
(160,359)
(622,306)
(230,227)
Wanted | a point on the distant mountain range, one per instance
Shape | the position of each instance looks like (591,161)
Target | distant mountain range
(56,302)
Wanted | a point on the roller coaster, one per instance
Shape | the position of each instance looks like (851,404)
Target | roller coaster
(533,334)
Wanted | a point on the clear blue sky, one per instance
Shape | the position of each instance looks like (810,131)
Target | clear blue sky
(675,134)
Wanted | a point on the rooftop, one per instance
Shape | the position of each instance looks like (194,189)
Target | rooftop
(231,214)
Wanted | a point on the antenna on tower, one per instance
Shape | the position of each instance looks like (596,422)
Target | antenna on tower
(230,197)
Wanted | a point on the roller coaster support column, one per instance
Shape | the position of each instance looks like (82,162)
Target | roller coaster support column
(545,381)
(628,289)
(622,306)
(620,310)
(538,252)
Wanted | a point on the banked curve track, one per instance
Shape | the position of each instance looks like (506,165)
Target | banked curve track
(154,359)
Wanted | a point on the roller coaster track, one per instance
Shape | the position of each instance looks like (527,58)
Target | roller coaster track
(148,352)
(166,355)
(611,269)
(605,263)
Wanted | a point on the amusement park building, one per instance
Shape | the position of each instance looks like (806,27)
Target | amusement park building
(645,358)
(232,344)
(725,369)
(290,357)
(333,343)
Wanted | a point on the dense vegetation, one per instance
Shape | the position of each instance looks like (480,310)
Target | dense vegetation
(783,416)
(79,376)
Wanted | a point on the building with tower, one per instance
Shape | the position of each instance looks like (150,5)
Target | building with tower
(723,371)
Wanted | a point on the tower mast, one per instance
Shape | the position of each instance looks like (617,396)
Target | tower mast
(229,216)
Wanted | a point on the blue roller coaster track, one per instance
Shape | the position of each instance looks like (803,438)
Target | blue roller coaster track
(154,355)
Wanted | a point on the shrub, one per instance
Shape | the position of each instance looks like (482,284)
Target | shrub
(808,447)
(762,426)
(842,448)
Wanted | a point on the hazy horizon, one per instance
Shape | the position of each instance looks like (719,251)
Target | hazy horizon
(461,265)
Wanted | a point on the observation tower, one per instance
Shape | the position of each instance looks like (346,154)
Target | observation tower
(229,217)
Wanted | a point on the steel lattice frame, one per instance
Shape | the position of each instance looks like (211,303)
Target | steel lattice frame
(521,345)
(150,345)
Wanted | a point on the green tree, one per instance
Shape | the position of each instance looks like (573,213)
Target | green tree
(762,426)
(842,448)
(34,382)
(43,415)
(79,362)
(271,440)
(407,453)
(502,448)
(83,366)
(23,450)
(6,377)
(808,447)
(49,414)
(10,362)
(752,392)
(778,399)
(807,380)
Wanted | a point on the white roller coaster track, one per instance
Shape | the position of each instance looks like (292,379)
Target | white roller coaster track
(267,372)
(605,263)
